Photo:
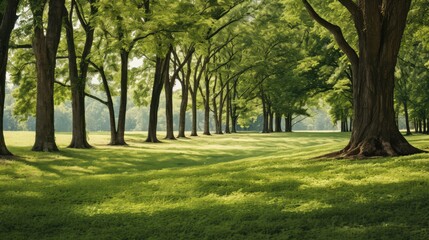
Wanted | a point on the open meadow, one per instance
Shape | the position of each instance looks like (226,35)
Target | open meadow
(240,186)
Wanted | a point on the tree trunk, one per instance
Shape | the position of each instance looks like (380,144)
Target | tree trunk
(278,123)
(228,109)
(120,133)
(194,114)
(270,119)
(79,139)
(234,115)
(407,121)
(45,50)
(380,26)
(207,106)
(168,89)
(288,122)
(183,107)
(7,23)
(194,92)
(161,72)
(264,114)
(109,104)
(185,97)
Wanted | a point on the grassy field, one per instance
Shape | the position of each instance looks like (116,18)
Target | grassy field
(242,186)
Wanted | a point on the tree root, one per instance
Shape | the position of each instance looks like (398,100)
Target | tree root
(374,147)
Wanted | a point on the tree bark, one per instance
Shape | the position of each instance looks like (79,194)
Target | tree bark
(407,120)
(265,113)
(270,119)
(194,91)
(288,122)
(228,109)
(168,89)
(234,115)
(278,123)
(120,132)
(380,26)
(45,50)
(79,138)
(207,106)
(161,72)
(7,23)
(185,97)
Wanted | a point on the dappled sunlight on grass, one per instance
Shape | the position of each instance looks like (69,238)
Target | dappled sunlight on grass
(241,186)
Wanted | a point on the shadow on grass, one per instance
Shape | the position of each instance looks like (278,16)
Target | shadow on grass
(281,211)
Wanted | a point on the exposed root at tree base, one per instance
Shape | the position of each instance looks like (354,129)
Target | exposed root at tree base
(374,147)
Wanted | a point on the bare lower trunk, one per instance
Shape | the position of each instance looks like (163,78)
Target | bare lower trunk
(265,116)
(228,109)
(207,108)
(120,133)
(270,120)
(194,115)
(7,23)
(79,139)
(288,122)
(407,120)
(161,72)
(45,51)
(183,108)
(168,89)
(278,123)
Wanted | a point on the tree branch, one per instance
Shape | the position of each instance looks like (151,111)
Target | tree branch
(20,46)
(336,31)
(355,11)
(86,94)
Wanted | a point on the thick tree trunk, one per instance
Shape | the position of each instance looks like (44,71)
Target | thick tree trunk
(278,123)
(375,132)
(79,139)
(161,72)
(45,51)
(380,26)
(7,23)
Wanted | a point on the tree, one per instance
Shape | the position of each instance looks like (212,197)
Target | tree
(380,26)
(78,73)
(45,50)
(7,22)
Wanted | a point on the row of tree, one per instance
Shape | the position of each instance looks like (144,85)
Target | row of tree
(234,59)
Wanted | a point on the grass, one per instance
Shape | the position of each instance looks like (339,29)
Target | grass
(242,186)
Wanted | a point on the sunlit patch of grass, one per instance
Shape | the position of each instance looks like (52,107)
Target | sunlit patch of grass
(240,186)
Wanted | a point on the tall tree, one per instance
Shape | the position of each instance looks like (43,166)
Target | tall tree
(78,72)
(45,48)
(380,25)
(8,18)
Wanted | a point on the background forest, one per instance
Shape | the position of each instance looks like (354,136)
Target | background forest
(252,65)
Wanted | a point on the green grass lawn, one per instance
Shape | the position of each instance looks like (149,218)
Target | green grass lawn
(241,186)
